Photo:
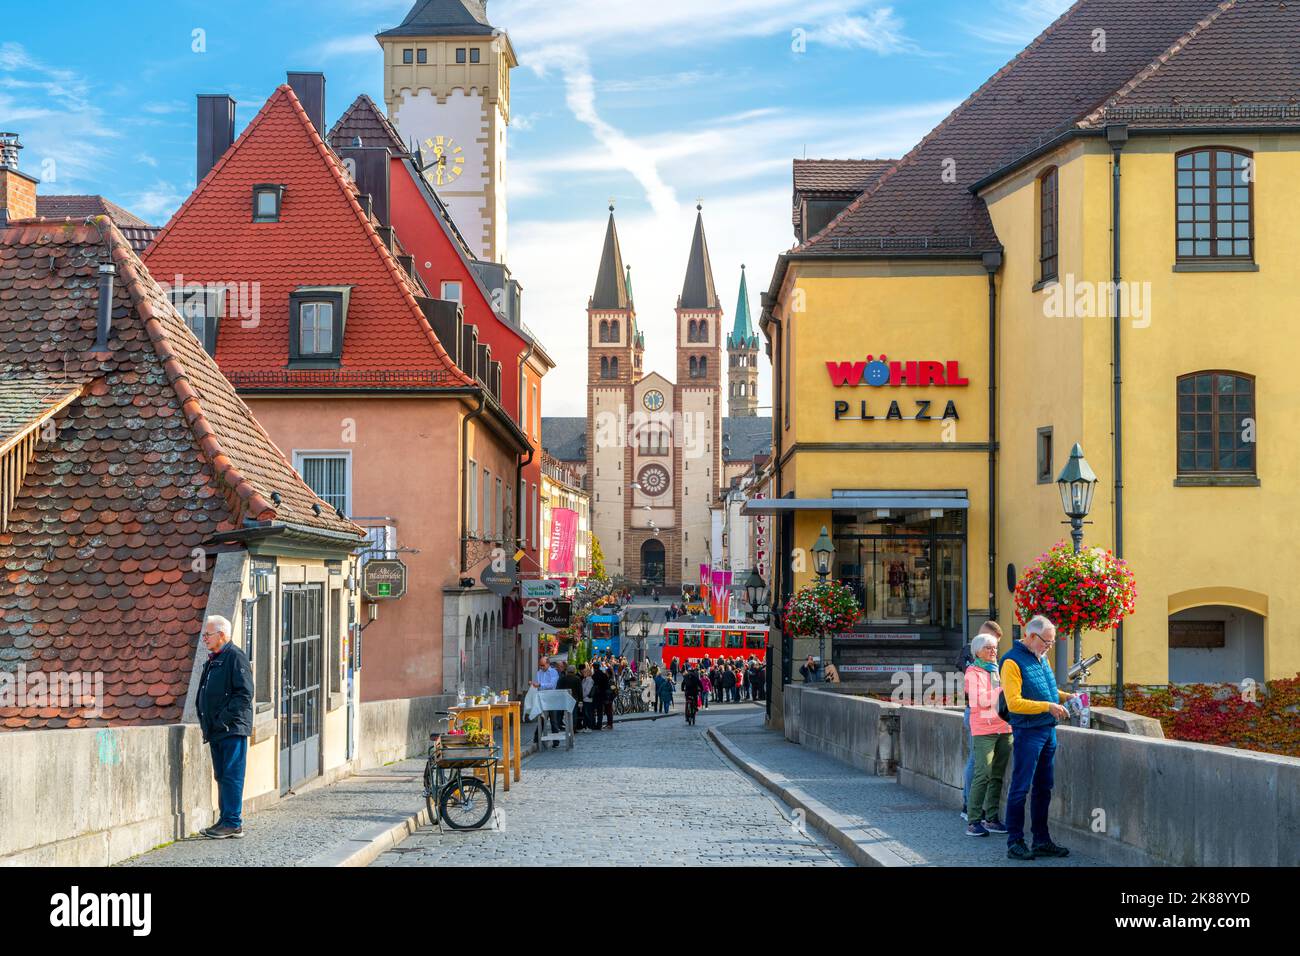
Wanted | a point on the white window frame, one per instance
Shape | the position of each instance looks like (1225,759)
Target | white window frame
(299,454)
(460,291)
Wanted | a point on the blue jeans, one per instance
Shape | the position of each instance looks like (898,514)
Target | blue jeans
(1033,756)
(229,757)
(970,762)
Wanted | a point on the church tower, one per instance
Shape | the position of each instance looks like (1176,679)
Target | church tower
(699,399)
(447,90)
(742,360)
(614,353)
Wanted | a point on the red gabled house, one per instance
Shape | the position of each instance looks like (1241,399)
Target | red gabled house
(385,400)
(403,198)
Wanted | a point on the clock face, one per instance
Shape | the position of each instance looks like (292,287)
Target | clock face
(653,480)
(653,400)
(448,160)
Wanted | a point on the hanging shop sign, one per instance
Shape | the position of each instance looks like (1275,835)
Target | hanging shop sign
(499,581)
(557,613)
(882,373)
(383,579)
(545,590)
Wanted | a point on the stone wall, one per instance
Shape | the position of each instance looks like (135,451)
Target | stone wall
(397,729)
(858,730)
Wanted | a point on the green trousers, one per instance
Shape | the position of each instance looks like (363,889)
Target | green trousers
(992,754)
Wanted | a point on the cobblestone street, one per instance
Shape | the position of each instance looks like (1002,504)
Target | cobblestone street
(652,793)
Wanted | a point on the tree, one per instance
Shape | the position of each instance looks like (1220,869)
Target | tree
(597,561)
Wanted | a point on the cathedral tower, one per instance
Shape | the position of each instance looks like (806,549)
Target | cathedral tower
(447,90)
(742,360)
(699,401)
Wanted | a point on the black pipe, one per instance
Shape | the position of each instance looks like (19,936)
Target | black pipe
(1117,136)
(521,489)
(464,484)
(992,263)
(104,308)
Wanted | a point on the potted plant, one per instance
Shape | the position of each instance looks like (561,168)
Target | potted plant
(818,608)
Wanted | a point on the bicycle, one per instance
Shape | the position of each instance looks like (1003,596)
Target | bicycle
(462,802)
(692,706)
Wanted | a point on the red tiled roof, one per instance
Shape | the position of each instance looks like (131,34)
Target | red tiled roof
(83,207)
(1051,84)
(1237,66)
(154,458)
(837,175)
(323,239)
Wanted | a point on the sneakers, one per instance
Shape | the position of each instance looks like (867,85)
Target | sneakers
(994,825)
(1050,849)
(976,829)
(223,833)
(963,814)
(1018,851)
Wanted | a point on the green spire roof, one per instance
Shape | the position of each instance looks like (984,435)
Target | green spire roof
(630,297)
(742,330)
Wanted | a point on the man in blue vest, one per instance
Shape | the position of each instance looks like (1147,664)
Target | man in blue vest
(1034,700)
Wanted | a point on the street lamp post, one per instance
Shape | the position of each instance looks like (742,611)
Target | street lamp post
(823,551)
(1076,484)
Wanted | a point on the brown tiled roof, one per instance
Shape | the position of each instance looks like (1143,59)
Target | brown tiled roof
(914,208)
(83,207)
(26,401)
(155,457)
(1237,66)
(364,119)
(833,178)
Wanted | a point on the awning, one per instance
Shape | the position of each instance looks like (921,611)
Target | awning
(861,501)
(531,625)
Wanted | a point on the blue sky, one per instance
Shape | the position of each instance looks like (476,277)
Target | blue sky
(655,103)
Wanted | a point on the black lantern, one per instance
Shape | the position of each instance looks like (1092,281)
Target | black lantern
(823,551)
(1077,484)
(754,588)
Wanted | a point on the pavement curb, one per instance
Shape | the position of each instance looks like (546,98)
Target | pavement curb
(832,824)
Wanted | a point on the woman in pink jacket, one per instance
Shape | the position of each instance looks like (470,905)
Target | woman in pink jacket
(990,738)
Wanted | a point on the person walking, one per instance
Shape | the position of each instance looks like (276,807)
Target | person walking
(964,660)
(571,682)
(691,689)
(225,707)
(707,688)
(673,667)
(1034,702)
(991,736)
(602,697)
(588,708)
(666,695)
(728,684)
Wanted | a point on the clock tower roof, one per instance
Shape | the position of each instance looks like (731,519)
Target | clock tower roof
(440,18)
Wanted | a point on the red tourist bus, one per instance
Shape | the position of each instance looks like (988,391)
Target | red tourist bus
(694,642)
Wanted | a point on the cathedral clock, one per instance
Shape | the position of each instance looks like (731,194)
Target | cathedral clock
(448,160)
(653,400)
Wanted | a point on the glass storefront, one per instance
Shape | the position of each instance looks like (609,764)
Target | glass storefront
(906,567)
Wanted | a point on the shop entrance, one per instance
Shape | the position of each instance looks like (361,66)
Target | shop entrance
(652,562)
(302,621)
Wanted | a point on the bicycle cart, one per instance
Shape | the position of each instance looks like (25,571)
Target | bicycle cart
(452,792)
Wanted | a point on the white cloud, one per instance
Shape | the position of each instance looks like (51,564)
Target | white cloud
(157,202)
(1014,23)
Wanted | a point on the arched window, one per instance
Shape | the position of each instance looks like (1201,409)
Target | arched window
(614,331)
(702,330)
(704,366)
(694,367)
(1048,225)
(1216,423)
(1215,204)
(604,331)
(613,368)
(604,367)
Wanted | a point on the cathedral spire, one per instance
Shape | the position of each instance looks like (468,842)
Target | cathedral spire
(742,330)
(697,290)
(611,281)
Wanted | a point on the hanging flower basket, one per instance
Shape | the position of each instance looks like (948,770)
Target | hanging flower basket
(821,608)
(1090,591)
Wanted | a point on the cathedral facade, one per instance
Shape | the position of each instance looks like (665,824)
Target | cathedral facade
(655,446)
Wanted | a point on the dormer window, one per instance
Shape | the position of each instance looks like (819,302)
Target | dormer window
(200,307)
(266,202)
(317,317)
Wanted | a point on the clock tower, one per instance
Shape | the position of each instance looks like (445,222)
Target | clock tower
(447,90)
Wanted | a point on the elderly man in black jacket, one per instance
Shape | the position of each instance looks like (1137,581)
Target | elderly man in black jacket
(225,705)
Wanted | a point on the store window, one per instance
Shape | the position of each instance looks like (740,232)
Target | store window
(1215,204)
(1216,423)
(906,568)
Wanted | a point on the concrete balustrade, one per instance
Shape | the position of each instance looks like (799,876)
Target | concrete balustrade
(1128,795)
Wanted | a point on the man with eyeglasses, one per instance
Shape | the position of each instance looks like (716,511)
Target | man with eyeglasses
(1035,705)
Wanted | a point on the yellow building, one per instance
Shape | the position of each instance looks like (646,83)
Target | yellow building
(953,330)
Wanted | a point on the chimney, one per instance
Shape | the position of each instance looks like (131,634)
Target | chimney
(17,189)
(310,90)
(104,307)
(369,166)
(216,131)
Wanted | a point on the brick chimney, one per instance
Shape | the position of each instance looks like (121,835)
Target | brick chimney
(17,189)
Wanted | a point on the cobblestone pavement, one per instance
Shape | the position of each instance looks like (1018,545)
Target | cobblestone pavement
(904,821)
(301,827)
(647,793)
